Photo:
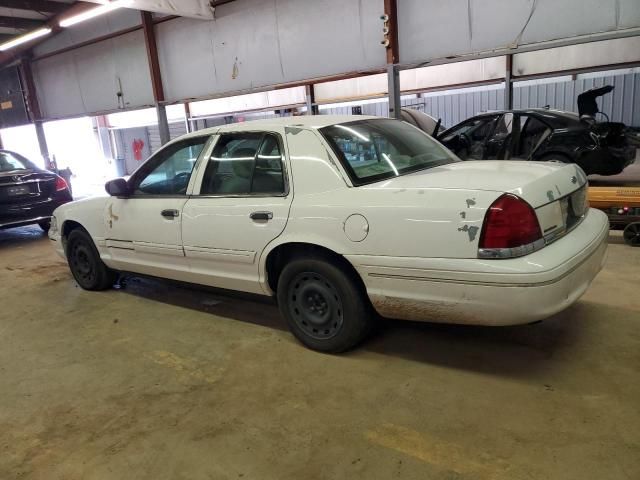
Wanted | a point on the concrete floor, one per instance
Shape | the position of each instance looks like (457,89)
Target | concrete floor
(163,382)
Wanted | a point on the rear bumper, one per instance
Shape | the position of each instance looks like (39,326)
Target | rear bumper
(488,292)
(27,214)
(7,223)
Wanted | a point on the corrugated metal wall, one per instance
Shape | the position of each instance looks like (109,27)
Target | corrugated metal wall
(175,130)
(621,105)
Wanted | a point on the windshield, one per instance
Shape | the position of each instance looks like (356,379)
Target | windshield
(10,162)
(373,150)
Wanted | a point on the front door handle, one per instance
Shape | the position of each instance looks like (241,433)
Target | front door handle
(261,216)
(170,213)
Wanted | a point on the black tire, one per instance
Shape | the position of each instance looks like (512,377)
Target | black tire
(85,264)
(325,308)
(45,225)
(631,234)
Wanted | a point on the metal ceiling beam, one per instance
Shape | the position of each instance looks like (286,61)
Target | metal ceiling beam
(20,23)
(29,91)
(47,6)
(156,77)
(152,56)
(53,23)
(201,9)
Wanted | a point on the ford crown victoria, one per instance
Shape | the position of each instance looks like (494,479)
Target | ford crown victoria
(342,217)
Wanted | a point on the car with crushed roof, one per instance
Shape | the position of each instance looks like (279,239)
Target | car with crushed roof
(547,135)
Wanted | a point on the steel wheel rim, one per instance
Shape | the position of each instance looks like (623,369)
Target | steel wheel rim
(82,263)
(631,234)
(315,306)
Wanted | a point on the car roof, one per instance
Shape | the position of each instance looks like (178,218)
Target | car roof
(302,121)
(557,118)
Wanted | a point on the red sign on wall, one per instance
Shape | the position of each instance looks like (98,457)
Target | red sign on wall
(138,145)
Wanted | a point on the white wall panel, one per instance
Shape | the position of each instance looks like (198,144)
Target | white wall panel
(479,70)
(569,18)
(256,43)
(358,87)
(629,13)
(94,28)
(586,55)
(431,29)
(84,80)
(250,101)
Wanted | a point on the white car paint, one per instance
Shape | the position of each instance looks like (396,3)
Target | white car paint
(417,250)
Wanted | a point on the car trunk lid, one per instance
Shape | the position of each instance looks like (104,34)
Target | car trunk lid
(539,183)
(26,186)
(556,191)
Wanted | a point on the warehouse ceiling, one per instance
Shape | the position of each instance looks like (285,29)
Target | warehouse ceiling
(21,16)
(202,9)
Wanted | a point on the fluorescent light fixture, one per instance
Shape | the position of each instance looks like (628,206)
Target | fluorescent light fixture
(393,167)
(41,32)
(94,12)
(353,132)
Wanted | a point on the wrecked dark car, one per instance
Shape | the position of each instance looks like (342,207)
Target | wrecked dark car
(542,134)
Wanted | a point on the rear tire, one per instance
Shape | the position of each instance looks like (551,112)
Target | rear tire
(85,264)
(325,308)
(631,234)
(45,225)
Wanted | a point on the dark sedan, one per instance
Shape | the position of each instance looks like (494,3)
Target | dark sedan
(28,194)
(603,148)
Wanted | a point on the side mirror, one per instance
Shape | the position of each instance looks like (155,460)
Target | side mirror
(117,188)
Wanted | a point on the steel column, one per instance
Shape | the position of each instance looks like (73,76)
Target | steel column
(187,117)
(508,84)
(42,142)
(163,123)
(33,107)
(393,77)
(310,94)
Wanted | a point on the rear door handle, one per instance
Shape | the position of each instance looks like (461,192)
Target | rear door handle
(170,213)
(261,216)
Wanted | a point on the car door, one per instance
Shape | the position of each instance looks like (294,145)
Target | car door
(467,140)
(241,203)
(144,229)
(533,134)
(498,143)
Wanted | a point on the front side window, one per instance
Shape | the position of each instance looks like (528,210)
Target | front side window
(243,164)
(373,150)
(476,129)
(169,172)
(10,162)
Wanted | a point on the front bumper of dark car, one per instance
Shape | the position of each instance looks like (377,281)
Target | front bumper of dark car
(19,215)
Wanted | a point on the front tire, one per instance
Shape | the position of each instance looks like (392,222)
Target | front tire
(85,264)
(325,308)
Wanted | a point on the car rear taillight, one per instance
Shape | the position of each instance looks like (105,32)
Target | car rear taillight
(510,229)
(61,184)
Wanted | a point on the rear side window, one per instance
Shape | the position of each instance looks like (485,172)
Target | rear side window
(10,162)
(244,164)
(373,150)
(533,133)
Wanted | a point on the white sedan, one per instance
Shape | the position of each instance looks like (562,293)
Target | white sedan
(339,217)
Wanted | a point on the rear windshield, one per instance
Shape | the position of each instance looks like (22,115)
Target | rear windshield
(11,161)
(373,150)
